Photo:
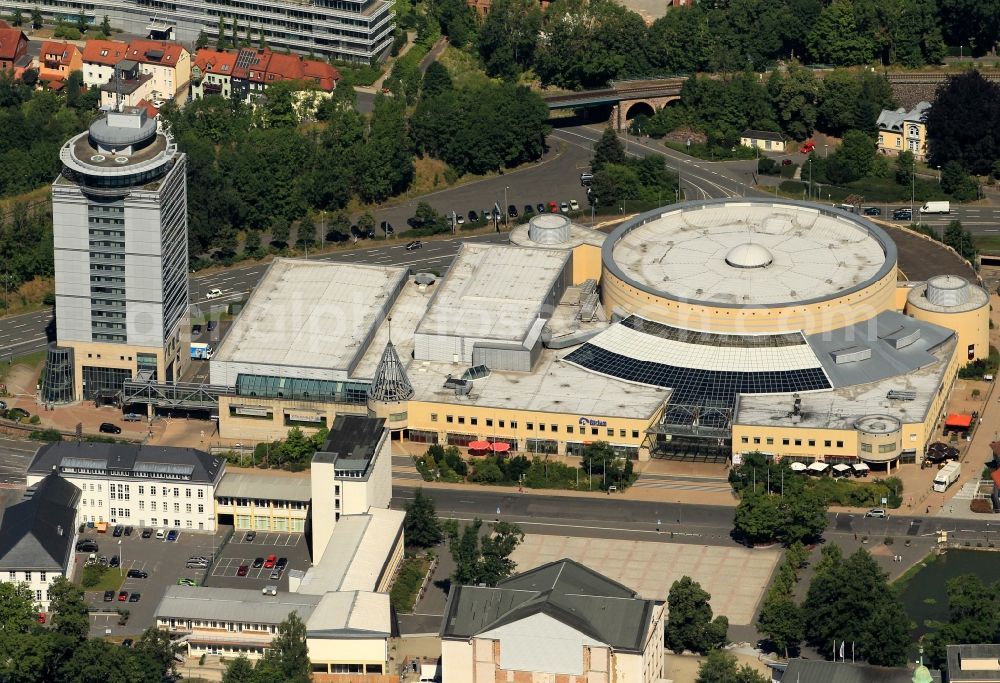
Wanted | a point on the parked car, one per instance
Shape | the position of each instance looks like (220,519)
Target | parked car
(877,513)
(214,293)
(282,563)
(3,405)
(195,330)
(242,571)
(128,642)
(128,531)
(808,147)
(574,205)
(184,581)
(528,209)
(487,215)
(872,211)
(276,574)
(902,215)
(160,533)
(212,324)
(118,528)
(415,244)
(269,562)
(786,162)
(86,545)
(18,414)
(122,596)
(473,216)
(586,178)
(564,207)
(146,533)
(258,562)
(172,535)
(512,211)
(250,536)
(553,207)
(459,218)
(132,417)
(115,561)
(137,574)
(108,428)
(387,228)
(134,597)
(269,590)
(109,596)
(541,208)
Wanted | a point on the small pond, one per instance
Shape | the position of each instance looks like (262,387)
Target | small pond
(924,596)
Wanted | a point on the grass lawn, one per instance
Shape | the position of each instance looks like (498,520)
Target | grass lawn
(463,66)
(31,360)
(411,576)
(988,244)
(111,580)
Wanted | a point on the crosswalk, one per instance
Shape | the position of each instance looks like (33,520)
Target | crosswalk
(679,482)
(969,491)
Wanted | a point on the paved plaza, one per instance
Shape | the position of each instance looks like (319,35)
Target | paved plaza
(651,567)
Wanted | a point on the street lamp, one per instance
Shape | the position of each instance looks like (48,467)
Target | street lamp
(593,206)
(810,178)
(121,558)
(506,220)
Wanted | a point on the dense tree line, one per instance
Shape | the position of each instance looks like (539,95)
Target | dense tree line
(690,623)
(973,617)
(286,659)
(61,651)
(963,125)
(587,43)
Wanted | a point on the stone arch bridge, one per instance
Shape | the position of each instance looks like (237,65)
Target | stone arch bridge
(627,98)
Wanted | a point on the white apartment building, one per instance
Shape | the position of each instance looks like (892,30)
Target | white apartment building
(264,501)
(141,486)
(168,65)
(119,215)
(38,536)
(100,57)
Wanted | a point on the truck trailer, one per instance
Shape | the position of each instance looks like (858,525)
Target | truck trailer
(936,207)
(201,350)
(947,476)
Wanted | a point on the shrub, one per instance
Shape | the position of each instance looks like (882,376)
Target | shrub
(46,435)
(49,299)
(404,590)
(34,419)
(981,505)
(92,575)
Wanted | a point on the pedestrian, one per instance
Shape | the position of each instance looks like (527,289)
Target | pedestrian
(855,535)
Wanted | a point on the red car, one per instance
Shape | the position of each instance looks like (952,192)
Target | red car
(553,207)
(123,596)
(269,562)
(808,146)
(41,617)
(242,571)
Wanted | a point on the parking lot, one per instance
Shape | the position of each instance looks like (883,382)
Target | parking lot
(239,551)
(15,456)
(163,560)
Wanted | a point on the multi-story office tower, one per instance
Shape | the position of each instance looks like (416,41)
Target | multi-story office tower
(119,214)
(350,30)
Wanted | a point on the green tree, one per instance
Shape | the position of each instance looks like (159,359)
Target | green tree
(959,239)
(487,559)
(857,153)
(962,123)
(421,526)
(279,230)
(690,625)
(918,39)
(608,150)
(106,25)
(465,552)
(288,656)
(973,23)
(794,97)
(959,184)
(904,168)
(36,18)
(202,41)
(804,518)
(70,616)
(436,80)
(239,670)
(220,34)
(366,222)
(81,23)
(722,667)
(156,644)
(18,18)
(758,518)
(18,613)
(972,617)
(841,36)
(307,231)
(386,160)
(508,36)
(251,246)
(427,218)
(781,621)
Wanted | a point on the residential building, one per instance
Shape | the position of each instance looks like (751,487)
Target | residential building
(264,501)
(38,536)
(821,671)
(143,486)
(168,63)
(119,214)
(350,475)
(57,60)
(212,73)
(13,47)
(901,130)
(482,7)
(766,141)
(100,57)
(127,87)
(349,30)
(346,632)
(561,621)
(979,663)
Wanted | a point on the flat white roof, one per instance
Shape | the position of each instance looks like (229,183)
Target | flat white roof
(749,253)
(493,292)
(841,408)
(551,387)
(272,485)
(356,553)
(406,313)
(351,613)
(311,314)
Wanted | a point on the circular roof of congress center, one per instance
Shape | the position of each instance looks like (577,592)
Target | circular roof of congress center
(749,252)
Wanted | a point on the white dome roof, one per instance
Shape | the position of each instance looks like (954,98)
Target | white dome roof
(749,256)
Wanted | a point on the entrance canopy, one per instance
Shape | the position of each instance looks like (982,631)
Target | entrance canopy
(860,467)
(798,467)
(958,421)
(818,467)
(841,468)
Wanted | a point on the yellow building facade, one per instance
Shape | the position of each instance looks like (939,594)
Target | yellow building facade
(904,131)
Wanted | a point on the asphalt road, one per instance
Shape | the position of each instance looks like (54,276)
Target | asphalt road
(614,517)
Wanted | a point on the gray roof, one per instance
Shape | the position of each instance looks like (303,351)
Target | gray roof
(957,671)
(233,604)
(894,119)
(267,486)
(166,462)
(820,671)
(565,590)
(883,335)
(763,135)
(352,442)
(37,533)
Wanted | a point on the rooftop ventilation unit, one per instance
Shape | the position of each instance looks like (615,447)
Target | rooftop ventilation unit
(851,354)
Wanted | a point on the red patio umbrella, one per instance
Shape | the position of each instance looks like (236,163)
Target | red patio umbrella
(479,445)
(500,446)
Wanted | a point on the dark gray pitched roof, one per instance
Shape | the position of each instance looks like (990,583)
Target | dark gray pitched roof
(982,651)
(165,462)
(37,533)
(820,671)
(762,135)
(352,442)
(564,590)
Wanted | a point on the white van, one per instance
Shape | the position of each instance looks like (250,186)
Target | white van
(160,534)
